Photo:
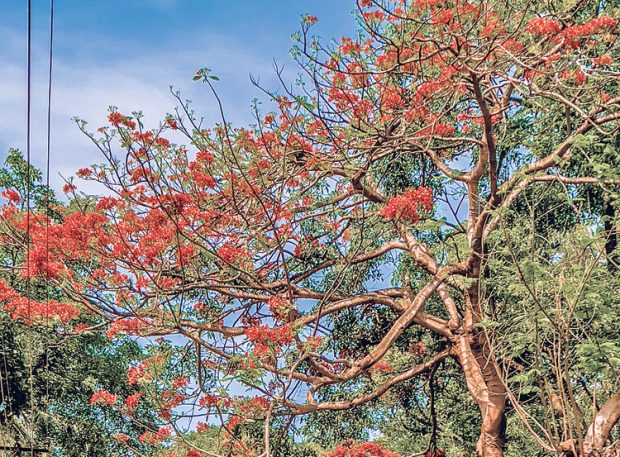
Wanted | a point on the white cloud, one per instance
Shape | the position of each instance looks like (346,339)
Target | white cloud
(87,85)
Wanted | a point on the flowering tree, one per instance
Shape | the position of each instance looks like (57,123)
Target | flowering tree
(46,378)
(371,191)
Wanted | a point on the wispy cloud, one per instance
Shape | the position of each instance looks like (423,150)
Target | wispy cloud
(86,86)
(160,43)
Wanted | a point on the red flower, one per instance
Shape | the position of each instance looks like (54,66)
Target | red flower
(11,195)
(232,254)
(443,129)
(361,450)
(279,307)
(444,16)
(205,157)
(576,76)
(103,397)
(155,438)
(172,123)
(542,26)
(261,334)
(117,119)
(602,60)
(575,34)
(122,438)
(201,427)
(106,204)
(162,142)
(407,205)
(179,382)
(382,367)
(133,400)
(84,172)
(312,343)
(23,308)
(208,400)
(127,326)
(135,374)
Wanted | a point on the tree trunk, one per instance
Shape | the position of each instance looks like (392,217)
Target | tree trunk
(598,432)
(488,391)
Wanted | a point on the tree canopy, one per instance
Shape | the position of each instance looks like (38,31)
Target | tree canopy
(48,374)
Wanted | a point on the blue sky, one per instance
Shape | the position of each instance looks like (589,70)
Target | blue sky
(128,53)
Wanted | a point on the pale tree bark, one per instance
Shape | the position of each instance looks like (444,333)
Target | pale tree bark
(600,429)
(598,433)
(488,391)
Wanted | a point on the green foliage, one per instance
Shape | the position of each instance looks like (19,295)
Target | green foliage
(48,376)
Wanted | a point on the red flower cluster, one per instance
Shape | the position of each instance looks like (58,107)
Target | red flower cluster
(209,400)
(262,334)
(202,427)
(232,254)
(382,367)
(103,397)
(361,450)
(408,205)
(439,129)
(264,338)
(84,172)
(279,307)
(576,76)
(40,263)
(135,373)
(122,438)
(133,400)
(172,123)
(575,34)
(51,244)
(602,60)
(443,129)
(11,195)
(170,400)
(204,157)
(156,438)
(253,407)
(443,16)
(117,119)
(127,326)
(312,343)
(30,310)
(543,26)
(179,382)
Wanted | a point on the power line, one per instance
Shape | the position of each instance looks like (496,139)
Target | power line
(28,165)
(47,210)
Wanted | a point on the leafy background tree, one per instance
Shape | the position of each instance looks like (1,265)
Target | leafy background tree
(47,373)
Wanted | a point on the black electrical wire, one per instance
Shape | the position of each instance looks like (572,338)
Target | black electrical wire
(28,165)
(47,203)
